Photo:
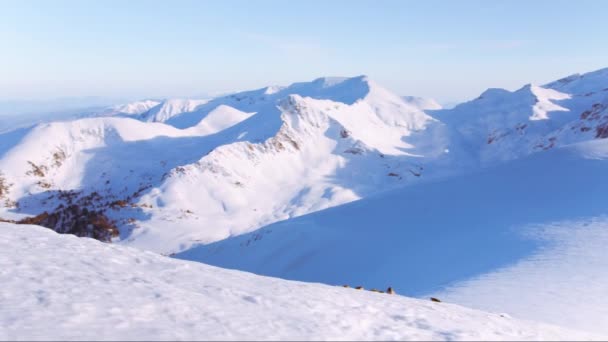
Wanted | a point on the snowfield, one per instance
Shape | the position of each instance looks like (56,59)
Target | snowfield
(59,287)
(435,237)
(498,204)
(218,168)
(231,164)
(563,283)
(421,238)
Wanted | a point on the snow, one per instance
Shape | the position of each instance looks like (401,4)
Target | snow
(544,105)
(585,84)
(88,146)
(133,108)
(59,287)
(500,194)
(238,162)
(562,283)
(221,118)
(426,237)
(290,150)
(422,103)
(167,109)
(502,125)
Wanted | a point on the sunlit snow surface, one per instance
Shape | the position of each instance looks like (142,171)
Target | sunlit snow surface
(59,287)
(530,233)
(498,203)
(564,283)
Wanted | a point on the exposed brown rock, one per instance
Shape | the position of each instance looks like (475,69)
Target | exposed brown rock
(77,221)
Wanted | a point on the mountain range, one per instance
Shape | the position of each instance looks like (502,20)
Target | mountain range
(341,181)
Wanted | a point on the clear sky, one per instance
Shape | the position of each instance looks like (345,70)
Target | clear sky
(449,50)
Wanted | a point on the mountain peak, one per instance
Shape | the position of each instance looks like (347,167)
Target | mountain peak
(492,93)
(582,84)
(423,103)
(331,81)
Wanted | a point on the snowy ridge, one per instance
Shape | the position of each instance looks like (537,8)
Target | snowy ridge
(133,108)
(219,119)
(61,164)
(170,108)
(65,288)
(501,125)
(422,103)
(261,181)
(582,85)
(316,140)
(425,237)
(544,99)
(241,161)
(307,144)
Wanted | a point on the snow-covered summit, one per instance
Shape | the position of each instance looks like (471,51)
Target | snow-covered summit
(244,160)
(221,174)
(582,84)
(290,150)
(133,108)
(183,113)
(503,125)
(170,108)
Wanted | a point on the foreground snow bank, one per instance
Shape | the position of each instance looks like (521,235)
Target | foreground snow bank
(62,287)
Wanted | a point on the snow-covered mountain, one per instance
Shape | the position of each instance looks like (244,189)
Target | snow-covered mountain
(422,103)
(234,163)
(222,167)
(60,287)
(501,125)
(426,237)
(475,204)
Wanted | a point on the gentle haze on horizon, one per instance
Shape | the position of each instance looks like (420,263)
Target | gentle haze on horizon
(448,50)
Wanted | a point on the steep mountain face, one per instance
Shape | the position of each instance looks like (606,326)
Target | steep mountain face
(222,167)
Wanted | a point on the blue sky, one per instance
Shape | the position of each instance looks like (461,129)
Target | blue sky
(449,50)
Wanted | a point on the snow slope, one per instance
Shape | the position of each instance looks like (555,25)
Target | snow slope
(153,110)
(324,153)
(221,118)
(222,167)
(426,237)
(167,109)
(174,174)
(562,283)
(60,287)
(422,102)
(217,168)
(501,125)
(136,108)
